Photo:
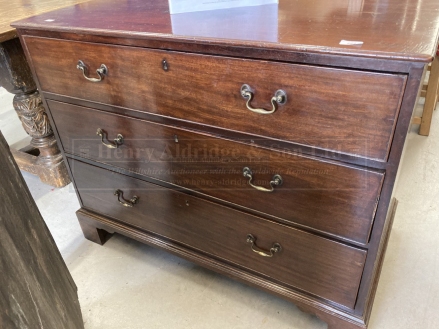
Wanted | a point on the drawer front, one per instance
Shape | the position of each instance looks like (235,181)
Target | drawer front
(332,198)
(313,264)
(346,111)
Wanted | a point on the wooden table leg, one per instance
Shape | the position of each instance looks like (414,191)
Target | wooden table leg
(431,98)
(42,157)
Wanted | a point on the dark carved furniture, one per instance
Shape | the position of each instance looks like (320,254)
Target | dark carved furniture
(266,151)
(42,157)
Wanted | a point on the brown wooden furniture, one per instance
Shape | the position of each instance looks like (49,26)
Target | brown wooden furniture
(36,288)
(430,91)
(258,148)
(42,157)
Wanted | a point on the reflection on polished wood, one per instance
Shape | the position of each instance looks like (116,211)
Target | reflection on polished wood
(327,118)
(391,28)
(345,200)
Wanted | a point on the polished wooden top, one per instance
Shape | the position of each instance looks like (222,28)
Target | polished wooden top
(399,29)
(12,10)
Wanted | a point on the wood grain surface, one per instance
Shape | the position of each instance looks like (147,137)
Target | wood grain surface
(36,288)
(329,197)
(13,10)
(387,28)
(15,73)
(317,265)
(351,112)
(335,315)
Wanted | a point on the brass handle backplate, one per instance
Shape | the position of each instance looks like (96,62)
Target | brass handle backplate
(101,72)
(270,253)
(280,98)
(275,181)
(126,203)
(117,141)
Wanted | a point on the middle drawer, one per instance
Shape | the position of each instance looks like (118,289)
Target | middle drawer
(331,198)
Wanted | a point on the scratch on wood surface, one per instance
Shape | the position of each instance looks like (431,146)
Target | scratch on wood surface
(36,307)
(19,312)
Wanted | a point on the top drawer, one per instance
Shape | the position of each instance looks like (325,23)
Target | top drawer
(346,111)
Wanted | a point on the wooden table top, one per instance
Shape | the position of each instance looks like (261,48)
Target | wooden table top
(396,29)
(13,10)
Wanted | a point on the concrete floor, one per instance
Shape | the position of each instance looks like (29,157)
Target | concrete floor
(128,285)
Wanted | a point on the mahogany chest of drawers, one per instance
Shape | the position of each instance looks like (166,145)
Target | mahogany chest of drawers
(266,150)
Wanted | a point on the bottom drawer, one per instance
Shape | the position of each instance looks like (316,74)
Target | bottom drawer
(317,265)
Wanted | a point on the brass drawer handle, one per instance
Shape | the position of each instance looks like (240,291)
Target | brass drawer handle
(117,141)
(280,97)
(275,181)
(126,203)
(102,71)
(274,249)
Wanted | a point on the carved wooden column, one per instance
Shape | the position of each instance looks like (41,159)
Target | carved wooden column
(42,157)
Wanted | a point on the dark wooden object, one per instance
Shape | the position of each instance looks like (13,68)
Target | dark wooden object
(319,264)
(211,94)
(171,89)
(42,157)
(214,166)
(36,289)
